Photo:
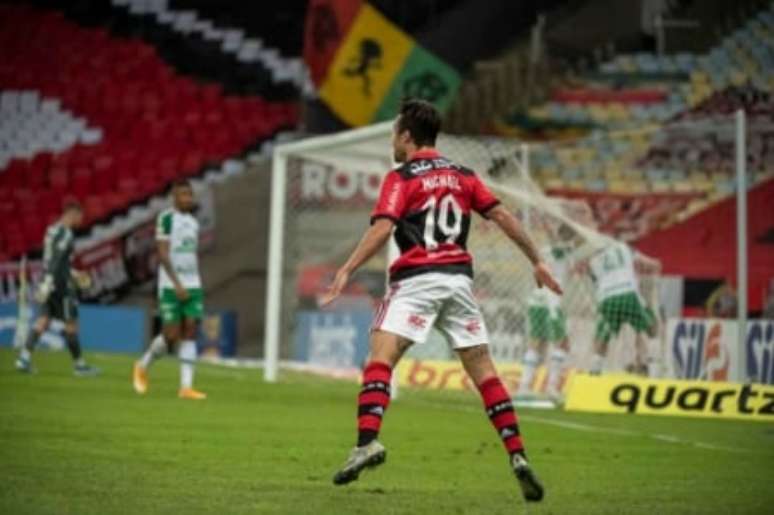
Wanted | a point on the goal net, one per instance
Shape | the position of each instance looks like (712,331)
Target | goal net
(323,191)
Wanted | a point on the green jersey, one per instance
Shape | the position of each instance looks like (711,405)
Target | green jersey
(613,271)
(181,230)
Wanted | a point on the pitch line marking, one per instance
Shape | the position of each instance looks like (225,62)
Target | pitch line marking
(588,428)
(623,432)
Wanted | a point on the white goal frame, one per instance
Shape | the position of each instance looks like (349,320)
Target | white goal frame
(311,147)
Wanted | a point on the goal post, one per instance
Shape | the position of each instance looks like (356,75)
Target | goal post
(375,137)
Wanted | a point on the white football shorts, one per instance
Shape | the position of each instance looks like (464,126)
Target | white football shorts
(414,305)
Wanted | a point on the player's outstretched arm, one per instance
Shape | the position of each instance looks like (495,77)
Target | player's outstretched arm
(646,264)
(373,240)
(514,230)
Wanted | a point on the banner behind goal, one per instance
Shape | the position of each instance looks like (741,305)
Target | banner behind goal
(323,191)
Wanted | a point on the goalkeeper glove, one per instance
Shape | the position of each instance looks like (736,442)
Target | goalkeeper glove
(82,279)
(44,290)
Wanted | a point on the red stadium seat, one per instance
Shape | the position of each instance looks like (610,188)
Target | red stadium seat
(81,184)
(155,125)
(59,178)
(94,208)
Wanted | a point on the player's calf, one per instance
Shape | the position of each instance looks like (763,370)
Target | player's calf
(499,408)
(372,403)
(556,360)
(80,367)
(530,363)
(187,354)
(156,350)
(24,359)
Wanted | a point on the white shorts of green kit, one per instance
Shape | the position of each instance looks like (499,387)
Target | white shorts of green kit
(413,306)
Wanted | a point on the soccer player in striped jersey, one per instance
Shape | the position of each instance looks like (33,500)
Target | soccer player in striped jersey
(426,204)
(181,298)
(57,294)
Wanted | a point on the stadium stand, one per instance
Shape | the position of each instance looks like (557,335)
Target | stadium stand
(90,113)
(648,124)
(210,36)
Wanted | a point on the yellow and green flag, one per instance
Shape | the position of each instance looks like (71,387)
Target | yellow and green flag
(364,65)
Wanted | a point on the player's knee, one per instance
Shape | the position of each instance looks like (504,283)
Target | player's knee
(387,347)
(171,334)
(189,329)
(478,363)
(189,333)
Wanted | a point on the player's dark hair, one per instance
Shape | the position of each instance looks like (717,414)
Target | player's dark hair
(421,119)
(182,183)
(71,205)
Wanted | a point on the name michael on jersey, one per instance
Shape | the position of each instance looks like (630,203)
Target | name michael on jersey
(447,181)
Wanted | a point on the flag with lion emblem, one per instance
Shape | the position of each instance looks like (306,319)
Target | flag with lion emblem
(363,64)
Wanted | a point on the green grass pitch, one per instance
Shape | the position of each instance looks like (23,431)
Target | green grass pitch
(91,446)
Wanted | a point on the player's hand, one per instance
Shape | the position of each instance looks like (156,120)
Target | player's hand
(82,279)
(543,277)
(339,283)
(182,293)
(44,289)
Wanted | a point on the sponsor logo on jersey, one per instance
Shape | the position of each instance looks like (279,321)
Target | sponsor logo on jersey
(417,322)
(187,244)
(473,326)
(422,166)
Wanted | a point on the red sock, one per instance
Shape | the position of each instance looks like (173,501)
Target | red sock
(500,410)
(373,401)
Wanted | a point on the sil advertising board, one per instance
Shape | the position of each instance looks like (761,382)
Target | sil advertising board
(709,349)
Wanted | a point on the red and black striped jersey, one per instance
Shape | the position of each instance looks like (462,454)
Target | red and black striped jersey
(430,200)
